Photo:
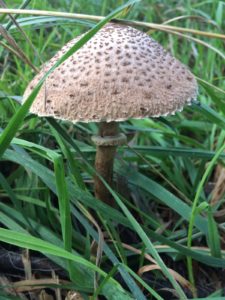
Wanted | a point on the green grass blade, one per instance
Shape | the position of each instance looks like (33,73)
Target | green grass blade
(213,237)
(197,255)
(115,261)
(47,176)
(64,209)
(140,232)
(75,172)
(211,114)
(159,192)
(147,242)
(33,243)
(142,282)
(10,223)
(194,207)
(17,120)
(37,22)
(176,151)
(64,205)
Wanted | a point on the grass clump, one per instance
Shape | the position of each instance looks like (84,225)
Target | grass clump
(164,240)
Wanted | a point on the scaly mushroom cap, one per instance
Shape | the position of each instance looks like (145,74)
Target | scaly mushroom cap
(120,73)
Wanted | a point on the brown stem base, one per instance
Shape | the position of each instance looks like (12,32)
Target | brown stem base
(104,166)
(106,149)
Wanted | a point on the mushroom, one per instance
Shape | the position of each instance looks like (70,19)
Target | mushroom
(120,73)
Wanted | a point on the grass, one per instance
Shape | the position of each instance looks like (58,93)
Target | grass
(164,232)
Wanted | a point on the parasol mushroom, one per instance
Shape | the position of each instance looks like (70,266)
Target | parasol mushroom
(120,73)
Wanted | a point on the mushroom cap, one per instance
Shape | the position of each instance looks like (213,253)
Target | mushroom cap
(120,73)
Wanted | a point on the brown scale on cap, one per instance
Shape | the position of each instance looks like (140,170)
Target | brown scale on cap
(120,73)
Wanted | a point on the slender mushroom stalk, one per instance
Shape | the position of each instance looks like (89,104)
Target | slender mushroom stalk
(121,73)
(107,141)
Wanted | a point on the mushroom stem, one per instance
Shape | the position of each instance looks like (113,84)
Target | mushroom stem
(107,141)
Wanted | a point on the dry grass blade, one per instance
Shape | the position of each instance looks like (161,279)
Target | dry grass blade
(13,21)
(27,264)
(74,296)
(23,5)
(6,285)
(219,188)
(58,294)
(16,48)
(99,18)
(8,48)
(137,251)
(100,239)
(184,282)
(100,234)
(44,296)
(36,284)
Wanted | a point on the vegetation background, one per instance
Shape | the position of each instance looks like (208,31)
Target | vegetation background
(165,238)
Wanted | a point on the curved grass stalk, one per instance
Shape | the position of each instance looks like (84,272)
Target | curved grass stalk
(175,29)
(10,49)
(205,20)
(13,44)
(160,27)
(198,41)
(211,85)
